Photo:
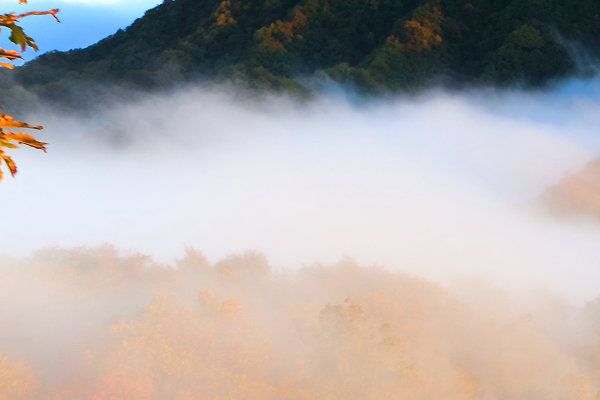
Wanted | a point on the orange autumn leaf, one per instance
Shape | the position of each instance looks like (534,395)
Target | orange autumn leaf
(8,138)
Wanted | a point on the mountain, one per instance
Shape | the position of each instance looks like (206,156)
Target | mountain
(375,46)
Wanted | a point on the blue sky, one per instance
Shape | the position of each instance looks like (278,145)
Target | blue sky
(84,22)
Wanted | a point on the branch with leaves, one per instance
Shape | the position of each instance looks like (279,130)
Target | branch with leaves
(11,136)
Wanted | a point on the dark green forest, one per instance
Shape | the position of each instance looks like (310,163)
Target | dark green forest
(373,46)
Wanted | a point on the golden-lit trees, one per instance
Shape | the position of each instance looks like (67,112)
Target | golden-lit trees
(576,193)
(207,352)
(238,329)
(11,135)
(16,380)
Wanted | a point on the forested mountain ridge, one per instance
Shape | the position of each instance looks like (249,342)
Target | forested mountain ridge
(373,45)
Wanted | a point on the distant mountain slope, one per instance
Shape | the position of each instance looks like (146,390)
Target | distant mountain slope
(374,45)
(577,193)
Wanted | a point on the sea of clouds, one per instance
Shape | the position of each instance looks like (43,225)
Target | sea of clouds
(441,185)
(209,243)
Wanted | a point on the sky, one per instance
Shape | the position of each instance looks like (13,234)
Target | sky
(84,22)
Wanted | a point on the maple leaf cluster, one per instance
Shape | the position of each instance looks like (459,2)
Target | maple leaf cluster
(10,135)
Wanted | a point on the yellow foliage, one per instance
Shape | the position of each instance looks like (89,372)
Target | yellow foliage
(174,352)
(16,380)
(223,15)
(424,30)
(281,32)
(339,332)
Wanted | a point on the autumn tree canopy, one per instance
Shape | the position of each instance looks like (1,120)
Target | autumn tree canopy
(11,134)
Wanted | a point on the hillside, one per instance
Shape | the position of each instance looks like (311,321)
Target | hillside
(374,45)
(577,193)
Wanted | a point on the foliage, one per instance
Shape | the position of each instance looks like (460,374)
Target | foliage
(128,328)
(576,193)
(374,45)
(16,380)
(10,139)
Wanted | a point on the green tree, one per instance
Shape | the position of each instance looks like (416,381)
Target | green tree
(527,56)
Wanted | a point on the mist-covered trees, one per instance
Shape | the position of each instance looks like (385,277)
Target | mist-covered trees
(16,380)
(125,327)
(373,45)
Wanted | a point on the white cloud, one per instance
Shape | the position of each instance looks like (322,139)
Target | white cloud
(436,187)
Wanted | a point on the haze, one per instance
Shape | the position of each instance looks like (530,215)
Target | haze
(443,186)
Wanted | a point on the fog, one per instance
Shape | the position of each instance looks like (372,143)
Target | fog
(452,259)
(440,185)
